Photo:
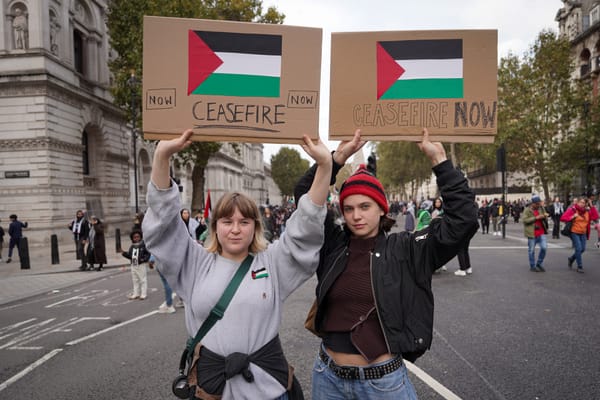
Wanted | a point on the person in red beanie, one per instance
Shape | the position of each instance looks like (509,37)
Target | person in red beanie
(374,303)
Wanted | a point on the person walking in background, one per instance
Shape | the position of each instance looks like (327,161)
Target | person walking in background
(535,226)
(190,223)
(437,208)
(15,231)
(496,215)
(242,353)
(167,306)
(409,222)
(464,260)
(437,211)
(96,253)
(556,210)
(201,225)
(1,241)
(484,216)
(139,257)
(268,220)
(516,211)
(374,303)
(81,231)
(423,215)
(581,214)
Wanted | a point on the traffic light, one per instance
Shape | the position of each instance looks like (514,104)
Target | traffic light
(501,159)
(372,164)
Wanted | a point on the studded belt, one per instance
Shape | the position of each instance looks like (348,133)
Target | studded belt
(346,372)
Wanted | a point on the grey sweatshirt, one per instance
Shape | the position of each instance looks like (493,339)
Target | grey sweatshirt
(253,317)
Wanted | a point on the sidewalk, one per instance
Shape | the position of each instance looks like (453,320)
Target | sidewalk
(43,276)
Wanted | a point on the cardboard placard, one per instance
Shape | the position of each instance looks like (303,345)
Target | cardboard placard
(393,84)
(230,81)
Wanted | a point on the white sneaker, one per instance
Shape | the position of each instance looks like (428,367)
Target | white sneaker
(179,304)
(443,268)
(469,271)
(460,272)
(166,309)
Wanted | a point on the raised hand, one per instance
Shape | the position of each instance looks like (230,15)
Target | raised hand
(164,150)
(319,152)
(347,148)
(434,150)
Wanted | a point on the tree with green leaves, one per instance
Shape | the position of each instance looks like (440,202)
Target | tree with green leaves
(538,105)
(287,167)
(401,165)
(125,22)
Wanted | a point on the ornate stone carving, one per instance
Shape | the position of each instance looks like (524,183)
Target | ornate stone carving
(44,143)
(54,29)
(20,26)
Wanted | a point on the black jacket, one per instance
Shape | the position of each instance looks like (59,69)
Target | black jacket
(403,263)
(84,231)
(137,250)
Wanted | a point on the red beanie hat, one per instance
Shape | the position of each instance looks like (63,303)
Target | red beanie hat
(363,182)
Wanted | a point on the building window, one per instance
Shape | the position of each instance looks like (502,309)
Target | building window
(78,51)
(85,153)
(594,15)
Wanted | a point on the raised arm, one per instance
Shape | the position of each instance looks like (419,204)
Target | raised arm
(344,151)
(319,189)
(160,164)
(433,150)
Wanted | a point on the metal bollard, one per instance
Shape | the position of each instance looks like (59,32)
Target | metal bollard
(117,240)
(54,249)
(24,253)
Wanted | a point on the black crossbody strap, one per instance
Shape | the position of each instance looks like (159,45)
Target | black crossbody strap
(219,309)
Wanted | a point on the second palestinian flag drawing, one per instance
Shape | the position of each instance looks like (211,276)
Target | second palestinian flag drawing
(420,69)
(234,64)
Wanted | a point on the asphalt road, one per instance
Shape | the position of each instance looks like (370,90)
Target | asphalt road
(501,333)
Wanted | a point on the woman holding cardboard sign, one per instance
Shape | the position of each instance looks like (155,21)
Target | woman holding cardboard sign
(374,305)
(241,355)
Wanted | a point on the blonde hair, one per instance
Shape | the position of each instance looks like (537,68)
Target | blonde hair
(225,208)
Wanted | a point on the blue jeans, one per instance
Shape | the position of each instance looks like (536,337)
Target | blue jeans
(168,290)
(579,241)
(393,386)
(531,242)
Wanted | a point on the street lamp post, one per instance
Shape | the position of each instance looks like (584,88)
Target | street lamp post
(133,83)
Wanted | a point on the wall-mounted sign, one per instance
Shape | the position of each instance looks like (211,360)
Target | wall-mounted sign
(16,174)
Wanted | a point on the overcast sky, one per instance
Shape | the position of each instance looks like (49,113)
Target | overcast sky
(518,23)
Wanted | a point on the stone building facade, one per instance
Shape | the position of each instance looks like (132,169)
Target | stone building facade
(63,144)
(580,22)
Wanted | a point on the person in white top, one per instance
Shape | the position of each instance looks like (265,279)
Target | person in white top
(246,338)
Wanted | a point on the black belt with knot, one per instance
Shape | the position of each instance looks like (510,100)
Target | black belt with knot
(346,372)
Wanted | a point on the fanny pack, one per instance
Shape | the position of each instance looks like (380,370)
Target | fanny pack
(184,386)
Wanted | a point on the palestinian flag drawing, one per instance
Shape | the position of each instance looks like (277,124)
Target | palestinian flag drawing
(420,69)
(234,64)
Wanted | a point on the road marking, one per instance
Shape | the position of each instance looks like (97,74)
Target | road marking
(27,370)
(16,325)
(33,332)
(93,335)
(487,383)
(431,382)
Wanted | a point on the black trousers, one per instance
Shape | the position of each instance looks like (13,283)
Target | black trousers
(464,261)
(556,226)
